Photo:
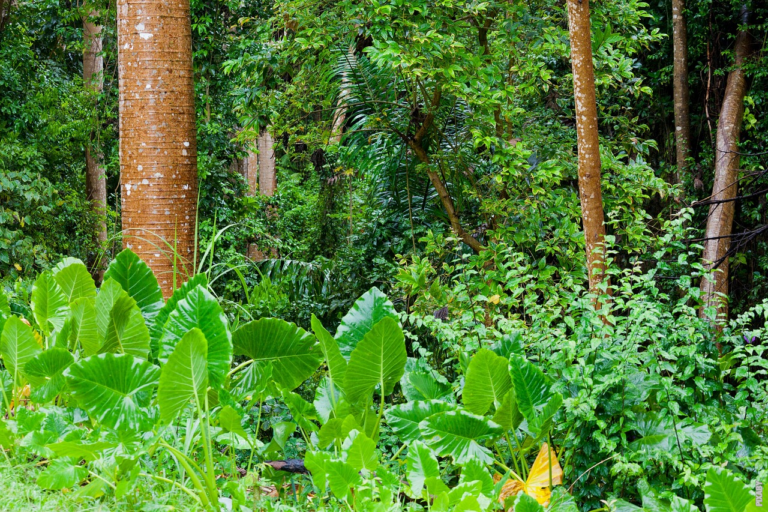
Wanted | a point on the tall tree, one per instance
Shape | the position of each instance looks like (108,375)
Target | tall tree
(680,86)
(590,192)
(722,201)
(95,182)
(158,147)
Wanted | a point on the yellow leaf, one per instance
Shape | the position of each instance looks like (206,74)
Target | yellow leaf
(494,299)
(537,484)
(17,266)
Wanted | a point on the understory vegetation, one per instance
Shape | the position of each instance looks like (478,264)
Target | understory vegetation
(409,322)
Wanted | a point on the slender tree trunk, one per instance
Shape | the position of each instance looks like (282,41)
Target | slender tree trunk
(158,146)
(340,114)
(262,179)
(267,175)
(720,219)
(95,181)
(588,140)
(680,85)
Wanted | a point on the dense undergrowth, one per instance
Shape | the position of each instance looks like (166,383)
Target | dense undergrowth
(114,396)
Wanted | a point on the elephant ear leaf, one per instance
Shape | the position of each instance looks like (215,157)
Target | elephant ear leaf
(184,377)
(115,389)
(724,492)
(459,434)
(136,278)
(378,360)
(291,350)
(535,401)
(158,323)
(404,418)
(49,304)
(45,373)
(17,346)
(372,307)
(199,309)
(126,331)
(62,474)
(337,365)
(84,332)
(487,381)
(109,293)
(76,282)
(422,464)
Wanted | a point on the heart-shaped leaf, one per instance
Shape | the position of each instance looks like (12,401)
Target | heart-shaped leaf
(115,389)
(184,377)
(360,451)
(109,293)
(337,365)
(61,474)
(75,281)
(17,346)
(84,332)
(199,309)
(404,419)
(136,278)
(422,464)
(158,323)
(459,434)
(532,387)
(366,312)
(724,492)
(292,351)
(377,360)
(45,373)
(49,304)
(126,331)
(487,381)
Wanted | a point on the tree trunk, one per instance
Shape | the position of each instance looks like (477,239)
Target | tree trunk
(340,114)
(95,180)
(267,176)
(720,219)
(680,85)
(588,140)
(261,167)
(158,146)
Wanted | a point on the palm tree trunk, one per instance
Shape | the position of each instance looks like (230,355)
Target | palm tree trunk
(680,86)
(720,219)
(590,193)
(340,114)
(158,146)
(95,182)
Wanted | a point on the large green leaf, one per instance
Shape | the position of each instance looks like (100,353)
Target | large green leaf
(724,492)
(158,323)
(459,434)
(317,464)
(136,278)
(337,365)
(292,351)
(115,389)
(49,304)
(342,477)
(61,474)
(366,312)
(487,381)
(84,331)
(421,385)
(360,451)
(656,431)
(404,419)
(109,292)
(17,346)
(422,464)
(329,402)
(76,282)
(45,373)
(184,377)
(531,386)
(80,450)
(126,331)
(475,471)
(378,360)
(201,309)
(5,308)
(525,503)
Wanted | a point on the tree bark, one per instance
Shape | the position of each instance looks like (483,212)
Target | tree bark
(720,220)
(267,174)
(158,146)
(680,86)
(95,180)
(590,193)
